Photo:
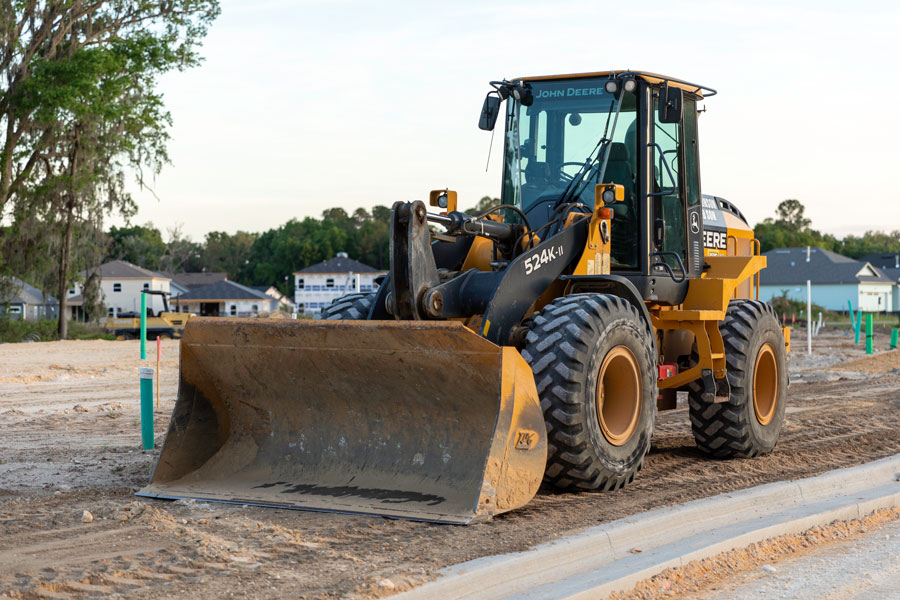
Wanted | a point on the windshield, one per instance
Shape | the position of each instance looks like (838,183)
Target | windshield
(551,142)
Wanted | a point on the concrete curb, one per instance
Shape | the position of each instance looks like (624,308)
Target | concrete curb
(598,561)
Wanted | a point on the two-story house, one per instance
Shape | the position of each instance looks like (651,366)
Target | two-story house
(121,284)
(316,286)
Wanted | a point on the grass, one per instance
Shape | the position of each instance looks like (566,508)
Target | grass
(45,330)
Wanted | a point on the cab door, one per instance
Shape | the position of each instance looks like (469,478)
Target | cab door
(677,226)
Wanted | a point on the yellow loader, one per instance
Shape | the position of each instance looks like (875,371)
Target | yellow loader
(534,342)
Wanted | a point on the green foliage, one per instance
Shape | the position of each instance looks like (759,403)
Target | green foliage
(80,109)
(225,252)
(482,205)
(277,253)
(791,230)
(871,242)
(45,330)
(141,245)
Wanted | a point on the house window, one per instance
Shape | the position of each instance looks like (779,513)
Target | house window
(146,286)
(255,308)
(16,310)
(329,283)
(233,309)
(117,287)
(299,284)
(72,292)
(301,307)
(110,311)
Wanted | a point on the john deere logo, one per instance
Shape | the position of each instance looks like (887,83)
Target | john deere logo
(695,223)
(525,439)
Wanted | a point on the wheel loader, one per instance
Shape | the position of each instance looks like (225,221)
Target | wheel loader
(530,344)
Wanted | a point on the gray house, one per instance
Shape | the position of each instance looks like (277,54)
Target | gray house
(27,302)
(225,299)
(835,280)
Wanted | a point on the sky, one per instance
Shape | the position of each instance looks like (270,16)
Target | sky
(304,105)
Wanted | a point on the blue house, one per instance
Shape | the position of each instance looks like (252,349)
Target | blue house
(835,280)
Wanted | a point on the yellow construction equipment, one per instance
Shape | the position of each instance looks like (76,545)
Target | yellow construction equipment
(534,342)
(164,323)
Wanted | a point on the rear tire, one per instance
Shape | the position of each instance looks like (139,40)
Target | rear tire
(353,307)
(750,423)
(574,342)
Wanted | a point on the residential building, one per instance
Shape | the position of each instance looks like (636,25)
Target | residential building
(834,279)
(225,299)
(28,303)
(284,303)
(121,284)
(316,286)
(889,264)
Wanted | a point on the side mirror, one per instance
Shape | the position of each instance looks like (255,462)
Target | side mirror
(671,101)
(489,111)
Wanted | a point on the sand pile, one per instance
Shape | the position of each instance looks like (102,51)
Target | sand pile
(883,362)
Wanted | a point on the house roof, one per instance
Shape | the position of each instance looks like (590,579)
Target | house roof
(24,293)
(221,290)
(884,261)
(121,269)
(340,264)
(190,280)
(788,266)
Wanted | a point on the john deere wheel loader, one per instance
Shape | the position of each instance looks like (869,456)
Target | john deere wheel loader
(533,342)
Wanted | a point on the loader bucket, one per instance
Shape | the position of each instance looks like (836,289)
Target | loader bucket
(413,419)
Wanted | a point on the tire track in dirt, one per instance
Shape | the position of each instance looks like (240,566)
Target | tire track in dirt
(213,551)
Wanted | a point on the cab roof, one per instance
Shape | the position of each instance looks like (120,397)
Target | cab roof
(652,78)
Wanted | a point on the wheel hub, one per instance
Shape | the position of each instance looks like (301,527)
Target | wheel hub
(618,395)
(765,385)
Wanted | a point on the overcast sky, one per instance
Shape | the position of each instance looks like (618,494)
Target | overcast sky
(302,105)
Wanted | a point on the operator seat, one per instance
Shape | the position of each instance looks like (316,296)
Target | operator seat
(620,170)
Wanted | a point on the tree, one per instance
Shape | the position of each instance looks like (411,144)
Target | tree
(181,255)
(44,41)
(228,253)
(80,105)
(790,213)
(482,205)
(141,245)
(791,230)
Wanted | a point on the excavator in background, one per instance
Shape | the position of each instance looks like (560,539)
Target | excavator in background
(163,324)
(532,343)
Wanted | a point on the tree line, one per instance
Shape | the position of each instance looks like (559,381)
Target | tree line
(790,228)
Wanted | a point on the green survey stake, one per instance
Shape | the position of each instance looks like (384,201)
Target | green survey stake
(147,407)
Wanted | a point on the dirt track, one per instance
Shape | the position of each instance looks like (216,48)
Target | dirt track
(59,460)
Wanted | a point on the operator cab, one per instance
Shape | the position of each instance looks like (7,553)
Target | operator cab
(566,134)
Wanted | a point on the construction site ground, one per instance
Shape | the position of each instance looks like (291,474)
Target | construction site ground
(71,460)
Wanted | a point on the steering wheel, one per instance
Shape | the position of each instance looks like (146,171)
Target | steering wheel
(565,176)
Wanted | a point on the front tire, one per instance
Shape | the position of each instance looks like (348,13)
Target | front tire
(750,423)
(594,363)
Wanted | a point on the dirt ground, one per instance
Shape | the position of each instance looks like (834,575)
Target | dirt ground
(70,443)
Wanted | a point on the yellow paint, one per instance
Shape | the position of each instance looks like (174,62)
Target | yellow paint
(480,255)
(434,195)
(652,78)
(487,325)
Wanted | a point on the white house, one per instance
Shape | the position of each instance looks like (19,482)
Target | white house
(834,279)
(889,264)
(316,286)
(121,284)
(225,299)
